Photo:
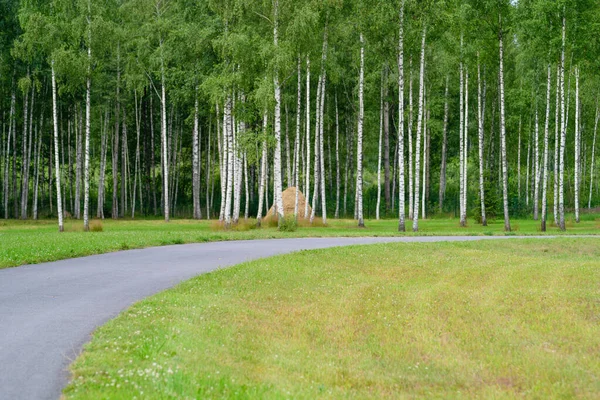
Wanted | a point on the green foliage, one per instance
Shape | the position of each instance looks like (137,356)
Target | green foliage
(493,199)
(288,224)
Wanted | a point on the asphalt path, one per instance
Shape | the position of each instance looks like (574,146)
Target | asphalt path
(48,311)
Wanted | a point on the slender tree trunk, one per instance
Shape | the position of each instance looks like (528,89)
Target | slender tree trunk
(546,129)
(418,133)
(519,163)
(56,162)
(124,164)
(359,155)
(321,140)
(480,121)
(163,138)
(297,141)
(503,135)
(24,169)
(86,168)
(222,147)
(466,148)
(277,126)
(577,146)
(556,145)
(536,167)
(307,164)
(442,192)
(411,194)
(527,186)
(78,160)
(228,156)
(400,155)
(461,134)
(380,144)
(563,134)
(425,157)
(195,163)
(316,174)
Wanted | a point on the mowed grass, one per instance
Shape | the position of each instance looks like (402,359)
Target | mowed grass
(508,319)
(28,242)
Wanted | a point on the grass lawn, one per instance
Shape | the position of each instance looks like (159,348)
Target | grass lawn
(27,242)
(498,320)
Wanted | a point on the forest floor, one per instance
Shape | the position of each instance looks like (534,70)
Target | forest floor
(502,320)
(30,242)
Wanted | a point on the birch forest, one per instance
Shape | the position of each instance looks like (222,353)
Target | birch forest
(211,109)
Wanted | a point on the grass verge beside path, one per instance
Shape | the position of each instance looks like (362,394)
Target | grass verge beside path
(28,242)
(500,320)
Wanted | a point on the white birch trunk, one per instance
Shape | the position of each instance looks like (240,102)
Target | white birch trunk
(563,134)
(297,141)
(400,155)
(277,157)
(86,168)
(321,152)
(56,159)
(480,126)
(466,148)
(316,175)
(359,145)
(195,163)
(425,160)
(546,131)
(556,145)
(577,145)
(163,135)
(307,164)
(227,130)
(321,110)
(519,163)
(379,156)
(411,194)
(337,161)
(461,127)
(503,135)
(208,171)
(418,133)
(247,189)
(536,167)
(24,169)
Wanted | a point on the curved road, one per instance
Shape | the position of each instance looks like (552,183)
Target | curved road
(48,311)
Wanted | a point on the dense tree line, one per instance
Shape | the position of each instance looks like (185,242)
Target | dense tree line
(210,109)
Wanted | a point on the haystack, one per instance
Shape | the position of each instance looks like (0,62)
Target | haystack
(289,201)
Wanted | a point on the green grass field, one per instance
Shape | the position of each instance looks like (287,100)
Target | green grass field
(500,320)
(26,242)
